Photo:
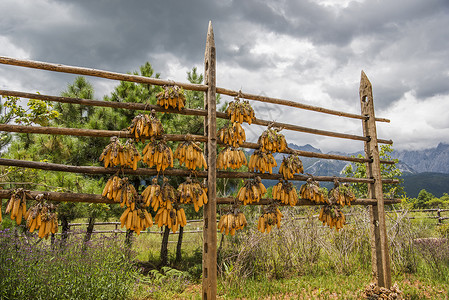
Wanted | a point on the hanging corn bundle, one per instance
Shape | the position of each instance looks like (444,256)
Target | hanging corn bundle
(251,191)
(136,217)
(232,221)
(171,97)
(232,158)
(285,192)
(291,165)
(17,206)
(232,135)
(240,111)
(311,190)
(159,154)
(262,162)
(272,141)
(271,216)
(192,192)
(332,216)
(146,126)
(42,217)
(190,154)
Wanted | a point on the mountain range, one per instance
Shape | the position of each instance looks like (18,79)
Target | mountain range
(422,169)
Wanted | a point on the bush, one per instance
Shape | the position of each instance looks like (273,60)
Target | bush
(33,269)
(443,230)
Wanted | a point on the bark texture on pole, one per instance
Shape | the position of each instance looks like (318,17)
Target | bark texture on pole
(379,242)
(210,209)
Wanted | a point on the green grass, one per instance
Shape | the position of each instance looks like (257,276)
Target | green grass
(281,265)
(33,269)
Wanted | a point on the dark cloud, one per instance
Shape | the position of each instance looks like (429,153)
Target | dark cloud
(403,45)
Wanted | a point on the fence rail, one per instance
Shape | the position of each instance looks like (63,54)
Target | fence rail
(439,218)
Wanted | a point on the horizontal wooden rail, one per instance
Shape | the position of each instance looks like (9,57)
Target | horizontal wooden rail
(144,231)
(95,198)
(306,202)
(102,103)
(168,137)
(97,73)
(89,132)
(194,112)
(156,81)
(293,104)
(93,170)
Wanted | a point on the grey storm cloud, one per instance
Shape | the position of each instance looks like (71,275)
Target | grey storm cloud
(403,45)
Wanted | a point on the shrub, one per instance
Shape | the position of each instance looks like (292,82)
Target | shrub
(33,269)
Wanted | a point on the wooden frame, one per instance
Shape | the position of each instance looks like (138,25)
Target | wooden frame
(380,252)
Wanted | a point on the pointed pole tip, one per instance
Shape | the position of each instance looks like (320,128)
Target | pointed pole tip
(210,32)
(363,77)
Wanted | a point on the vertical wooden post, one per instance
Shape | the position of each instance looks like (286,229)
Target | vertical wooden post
(210,209)
(379,243)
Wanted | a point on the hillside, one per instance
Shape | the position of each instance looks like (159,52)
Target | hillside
(424,169)
(435,183)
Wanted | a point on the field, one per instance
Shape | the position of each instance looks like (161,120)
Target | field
(301,260)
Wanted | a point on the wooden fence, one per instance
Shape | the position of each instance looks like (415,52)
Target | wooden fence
(376,201)
(411,215)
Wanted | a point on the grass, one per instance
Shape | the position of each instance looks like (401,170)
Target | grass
(34,269)
(303,260)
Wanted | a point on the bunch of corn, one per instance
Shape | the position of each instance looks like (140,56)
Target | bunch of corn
(136,217)
(290,165)
(232,158)
(232,135)
(42,217)
(332,216)
(251,191)
(172,217)
(152,195)
(272,141)
(341,195)
(159,154)
(146,126)
(171,97)
(120,190)
(311,190)
(285,192)
(262,162)
(240,111)
(271,216)
(191,154)
(17,204)
(232,221)
(115,154)
(192,192)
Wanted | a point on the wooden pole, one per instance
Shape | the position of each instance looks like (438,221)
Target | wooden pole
(169,172)
(97,198)
(102,103)
(185,111)
(210,209)
(168,137)
(96,73)
(156,81)
(293,104)
(379,243)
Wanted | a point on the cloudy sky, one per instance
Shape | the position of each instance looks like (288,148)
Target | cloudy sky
(307,51)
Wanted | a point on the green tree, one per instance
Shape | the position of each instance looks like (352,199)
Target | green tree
(423,199)
(388,171)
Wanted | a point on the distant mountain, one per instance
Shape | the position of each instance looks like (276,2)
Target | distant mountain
(423,169)
(434,160)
